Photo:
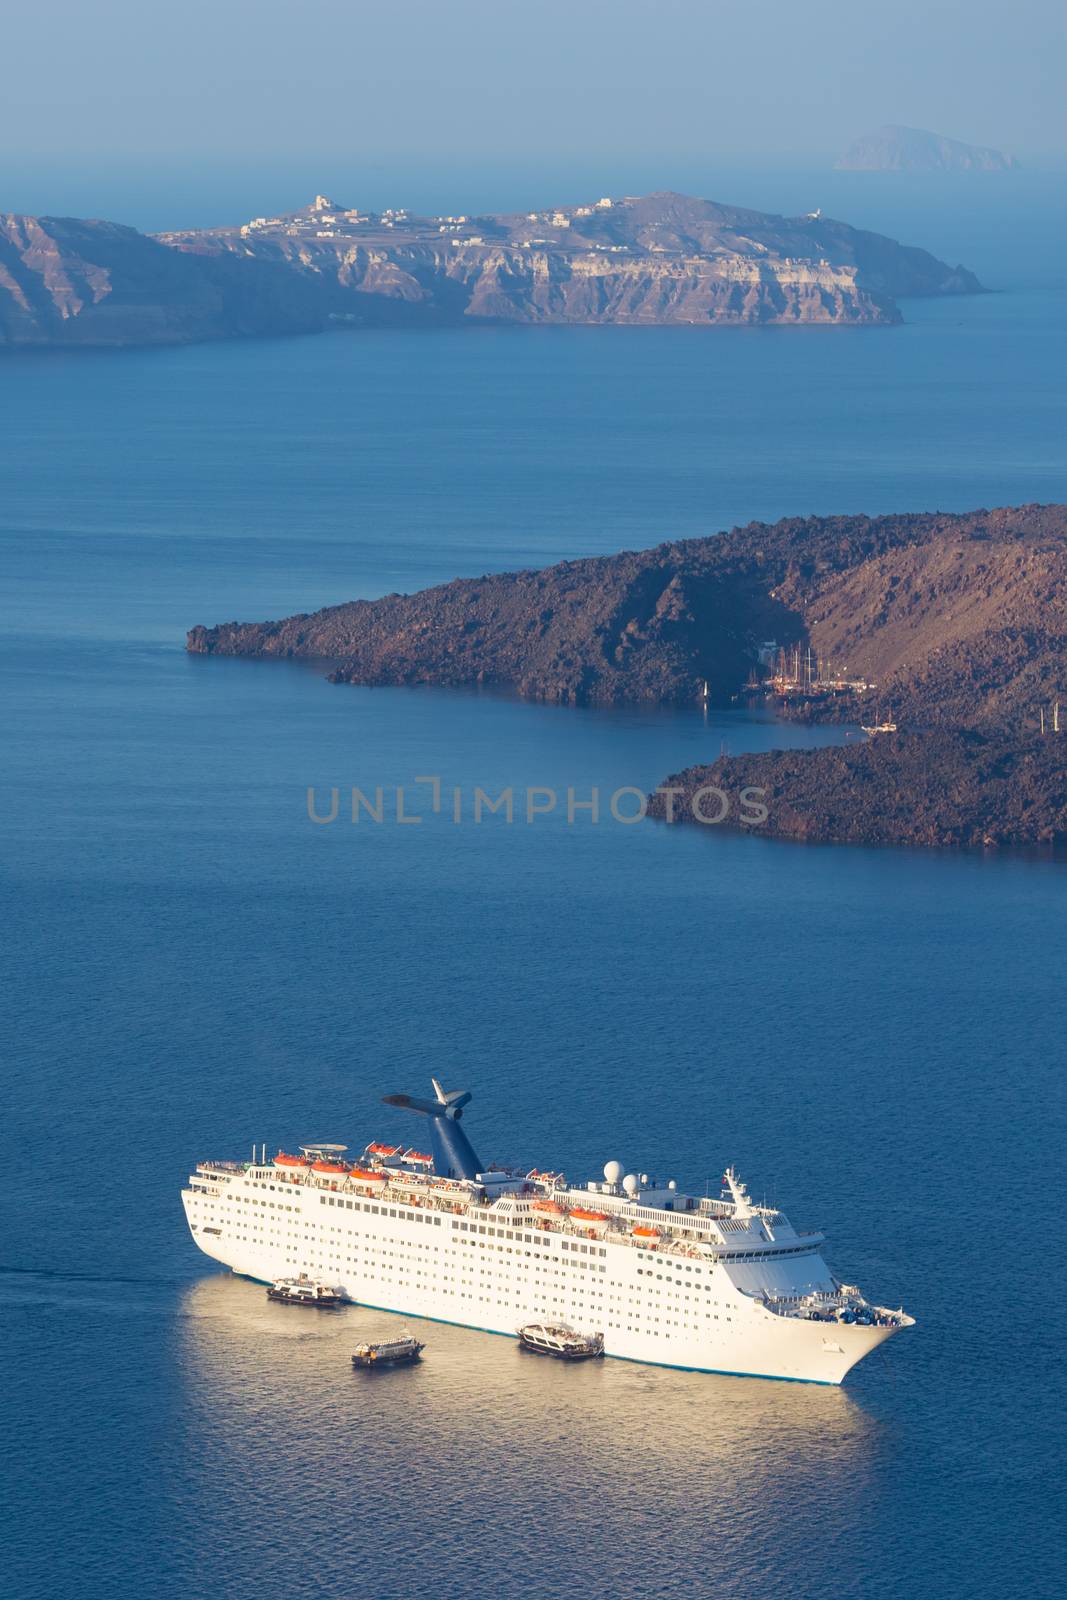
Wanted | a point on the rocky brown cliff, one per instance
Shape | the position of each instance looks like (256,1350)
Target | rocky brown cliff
(65,282)
(659,259)
(956,618)
(958,621)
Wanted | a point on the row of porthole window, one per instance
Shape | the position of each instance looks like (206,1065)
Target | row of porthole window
(380,1211)
(580,1264)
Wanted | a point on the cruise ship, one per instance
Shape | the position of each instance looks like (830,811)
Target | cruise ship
(674,1279)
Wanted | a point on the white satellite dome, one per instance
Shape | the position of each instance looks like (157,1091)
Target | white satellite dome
(644,1178)
(612,1171)
(630,1183)
(672,1183)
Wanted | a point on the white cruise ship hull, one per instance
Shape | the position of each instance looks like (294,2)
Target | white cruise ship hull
(695,1314)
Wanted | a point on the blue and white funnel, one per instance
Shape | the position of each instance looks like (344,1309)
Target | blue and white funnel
(453,1154)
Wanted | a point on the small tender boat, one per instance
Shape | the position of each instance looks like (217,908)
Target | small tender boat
(391,1353)
(305,1291)
(588,1217)
(556,1339)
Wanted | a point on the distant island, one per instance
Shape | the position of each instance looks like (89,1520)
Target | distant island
(896,149)
(951,627)
(654,260)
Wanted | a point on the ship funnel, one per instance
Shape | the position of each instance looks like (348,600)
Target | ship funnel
(453,1153)
(454,1101)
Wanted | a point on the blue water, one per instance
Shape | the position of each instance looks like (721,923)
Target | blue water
(189,965)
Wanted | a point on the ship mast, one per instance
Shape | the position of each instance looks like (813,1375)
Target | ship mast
(738,1193)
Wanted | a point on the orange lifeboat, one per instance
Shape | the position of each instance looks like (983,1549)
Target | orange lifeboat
(578,1215)
(645,1233)
(549,1206)
(362,1175)
(383,1149)
(327,1166)
(282,1160)
(419,1156)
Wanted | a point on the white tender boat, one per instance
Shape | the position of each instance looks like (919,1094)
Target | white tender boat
(305,1291)
(390,1353)
(557,1339)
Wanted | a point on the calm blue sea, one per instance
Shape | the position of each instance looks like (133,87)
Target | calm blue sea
(189,965)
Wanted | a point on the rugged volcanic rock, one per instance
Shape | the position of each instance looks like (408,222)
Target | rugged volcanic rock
(964,623)
(956,619)
(64,282)
(958,788)
(642,626)
(958,622)
(661,258)
(896,149)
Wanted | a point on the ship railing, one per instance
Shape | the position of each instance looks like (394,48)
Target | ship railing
(458,1203)
(667,1244)
(664,1245)
(846,1298)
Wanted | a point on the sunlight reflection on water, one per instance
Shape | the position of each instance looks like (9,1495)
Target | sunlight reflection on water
(428,1464)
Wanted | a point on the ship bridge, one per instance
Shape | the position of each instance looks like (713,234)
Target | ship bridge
(734,1226)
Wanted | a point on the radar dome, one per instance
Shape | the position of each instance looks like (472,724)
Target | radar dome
(630,1183)
(673,1183)
(613,1171)
(644,1177)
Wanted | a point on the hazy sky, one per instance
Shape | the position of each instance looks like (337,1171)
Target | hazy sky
(98,90)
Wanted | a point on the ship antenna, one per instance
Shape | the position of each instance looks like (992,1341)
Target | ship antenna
(742,1204)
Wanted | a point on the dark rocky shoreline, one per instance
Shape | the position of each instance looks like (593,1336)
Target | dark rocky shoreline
(931,788)
(957,622)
